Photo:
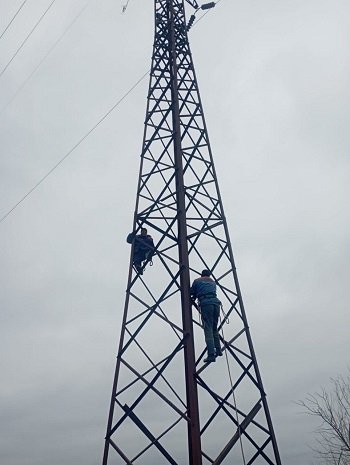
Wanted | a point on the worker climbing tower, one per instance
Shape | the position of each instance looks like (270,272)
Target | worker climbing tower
(167,405)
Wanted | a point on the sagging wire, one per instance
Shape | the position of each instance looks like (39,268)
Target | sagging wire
(44,58)
(101,119)
(14,17)
(74,147)
(27,37)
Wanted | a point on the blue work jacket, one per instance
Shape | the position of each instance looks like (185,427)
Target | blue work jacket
(204,289)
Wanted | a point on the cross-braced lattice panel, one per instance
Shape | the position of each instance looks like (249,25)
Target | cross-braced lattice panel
(223,406)
(150,414)
(150,406)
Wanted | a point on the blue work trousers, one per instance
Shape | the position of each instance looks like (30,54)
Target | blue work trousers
(210,317)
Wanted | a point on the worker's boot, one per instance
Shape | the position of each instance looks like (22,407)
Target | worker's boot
(218,352)
(139,269)
(211,352)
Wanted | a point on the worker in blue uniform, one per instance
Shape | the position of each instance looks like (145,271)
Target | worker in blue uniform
(204,290)
(143,248)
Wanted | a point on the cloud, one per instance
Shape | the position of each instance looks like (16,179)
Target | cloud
(274,82)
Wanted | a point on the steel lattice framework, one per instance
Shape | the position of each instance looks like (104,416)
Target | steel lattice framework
(167,406)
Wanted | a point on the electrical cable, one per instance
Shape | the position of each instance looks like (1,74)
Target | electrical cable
(9,24)
(84,137)
(45,56)
(25,40)
(74,147)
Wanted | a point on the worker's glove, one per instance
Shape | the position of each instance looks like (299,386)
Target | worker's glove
(131,238)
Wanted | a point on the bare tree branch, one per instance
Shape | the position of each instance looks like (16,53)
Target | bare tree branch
(332,407)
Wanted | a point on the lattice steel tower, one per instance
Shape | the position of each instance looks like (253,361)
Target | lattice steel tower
(167,406)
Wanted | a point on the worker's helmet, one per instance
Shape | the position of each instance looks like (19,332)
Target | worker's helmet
(206,273)
(143,231)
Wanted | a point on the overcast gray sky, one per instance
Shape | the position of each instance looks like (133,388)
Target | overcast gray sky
(274,78)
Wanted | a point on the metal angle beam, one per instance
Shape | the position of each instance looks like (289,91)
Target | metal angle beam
(179,201)
(148,433)
(237,435)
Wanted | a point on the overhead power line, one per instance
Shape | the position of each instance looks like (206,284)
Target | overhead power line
(9,24)
(75,146)
(25,40)
(83,138)
(45,56)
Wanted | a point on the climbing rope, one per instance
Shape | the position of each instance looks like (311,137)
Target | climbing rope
(232,390)
(226,319)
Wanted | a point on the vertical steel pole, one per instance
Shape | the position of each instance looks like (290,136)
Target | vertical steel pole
(194,443)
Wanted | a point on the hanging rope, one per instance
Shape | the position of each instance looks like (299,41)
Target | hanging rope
(232,390)
(226,319)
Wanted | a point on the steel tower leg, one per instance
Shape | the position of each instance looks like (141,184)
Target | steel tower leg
(194,444)
(166,406)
